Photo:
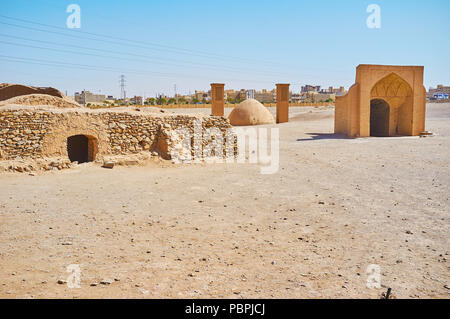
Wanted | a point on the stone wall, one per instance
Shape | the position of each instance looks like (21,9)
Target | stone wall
(27,133)
(22,133)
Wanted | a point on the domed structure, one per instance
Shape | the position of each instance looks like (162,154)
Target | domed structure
(250,112)
(8,91)
(30,95)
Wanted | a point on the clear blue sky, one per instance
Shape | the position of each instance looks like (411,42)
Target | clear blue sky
(245,44)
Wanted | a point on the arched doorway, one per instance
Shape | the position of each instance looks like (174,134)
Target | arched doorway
(396,93)
(379,118)
(81,148)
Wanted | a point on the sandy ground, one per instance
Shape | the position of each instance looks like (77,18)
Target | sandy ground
(311,230)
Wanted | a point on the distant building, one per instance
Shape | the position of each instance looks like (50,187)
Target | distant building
(232,94)
(110,99)
(162,96)
(439,93)
(331,90)
(298,97)
(313,97)
(138,100)
(265,96)
(324,97)
(242,95)
(440,96)
(440,88)
(86,97)
(201,95)
(310,88)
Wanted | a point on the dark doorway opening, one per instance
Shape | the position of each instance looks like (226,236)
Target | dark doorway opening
(81,148)
(379,118)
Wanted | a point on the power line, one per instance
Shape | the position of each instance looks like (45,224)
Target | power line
(85,66)
(109,69)
(123,94)
(141,44)
(115,57)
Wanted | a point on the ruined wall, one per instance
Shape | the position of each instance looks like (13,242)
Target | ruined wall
(43,133)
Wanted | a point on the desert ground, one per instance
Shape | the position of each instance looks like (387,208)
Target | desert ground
(162,230)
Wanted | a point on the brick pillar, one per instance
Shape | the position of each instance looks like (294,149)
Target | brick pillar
(282,103)
(217,99)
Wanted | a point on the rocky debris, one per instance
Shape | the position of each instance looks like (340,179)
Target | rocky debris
(67,241)
(106,281)
(131,162)
(108,164)
(426,134)
(30,165)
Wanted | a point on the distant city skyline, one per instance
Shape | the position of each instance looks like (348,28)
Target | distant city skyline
(190,44)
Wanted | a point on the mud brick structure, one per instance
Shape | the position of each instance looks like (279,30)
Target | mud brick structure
(282,103)
(217,99)
(8,91)
(384,101)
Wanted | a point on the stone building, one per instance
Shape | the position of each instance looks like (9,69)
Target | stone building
(384,101)
(82,135)
(86,97)
(43,131)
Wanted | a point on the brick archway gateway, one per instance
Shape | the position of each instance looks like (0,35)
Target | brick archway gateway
(401,87)
(82,148)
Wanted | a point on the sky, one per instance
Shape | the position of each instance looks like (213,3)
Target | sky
(163,46)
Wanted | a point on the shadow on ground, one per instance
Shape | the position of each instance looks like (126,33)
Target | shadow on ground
(322,136)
